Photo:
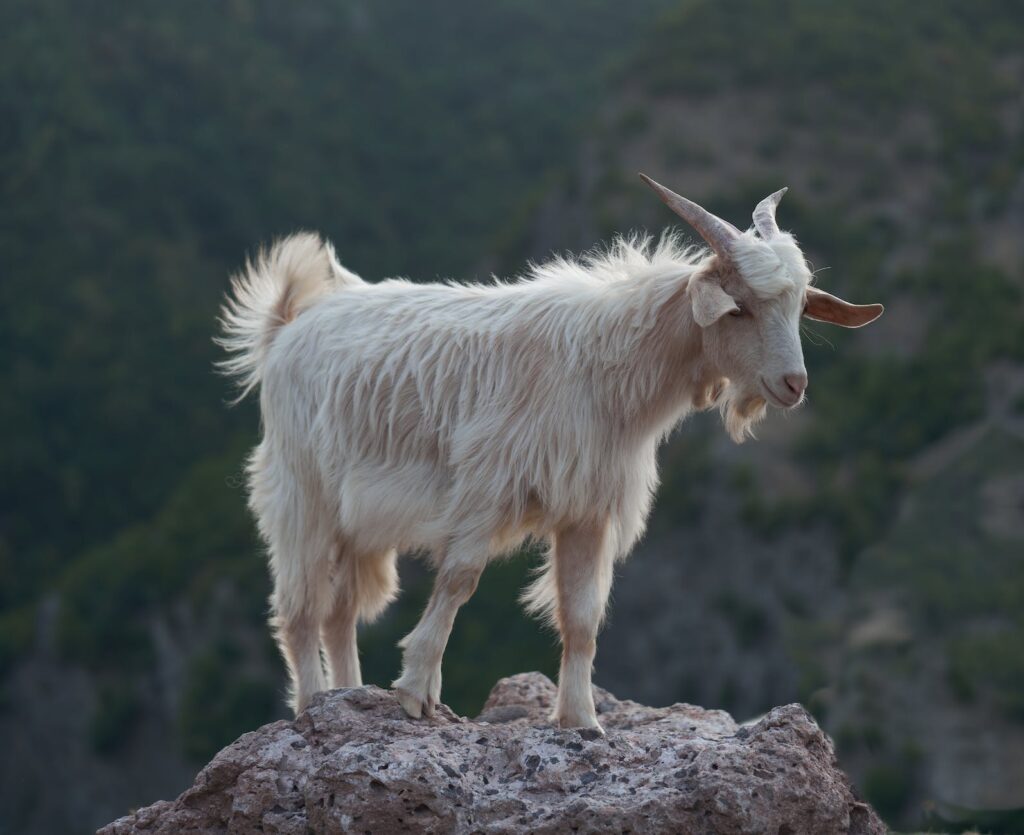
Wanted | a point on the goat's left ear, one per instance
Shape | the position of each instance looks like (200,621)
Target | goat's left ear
(824,307)
(710,302)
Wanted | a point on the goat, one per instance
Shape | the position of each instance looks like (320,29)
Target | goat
(461,420)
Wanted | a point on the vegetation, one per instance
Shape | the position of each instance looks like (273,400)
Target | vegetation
(112,725)
(221,701)
(887,788)
(920,543)
(144,149)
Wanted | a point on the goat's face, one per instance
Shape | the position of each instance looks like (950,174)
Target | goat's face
(749,301)
(749,310)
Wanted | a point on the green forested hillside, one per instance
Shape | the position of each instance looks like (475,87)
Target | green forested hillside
(144,149)
(899,127)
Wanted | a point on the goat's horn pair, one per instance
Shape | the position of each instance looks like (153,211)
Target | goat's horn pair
(718,233)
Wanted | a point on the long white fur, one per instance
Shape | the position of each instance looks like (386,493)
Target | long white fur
(459,420)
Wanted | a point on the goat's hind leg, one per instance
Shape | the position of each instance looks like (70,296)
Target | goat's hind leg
(363,585)
(583,577)
(419,687)
(338,630)
(301,600)
(296,624)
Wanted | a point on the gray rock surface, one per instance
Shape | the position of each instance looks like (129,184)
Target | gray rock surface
(353,762)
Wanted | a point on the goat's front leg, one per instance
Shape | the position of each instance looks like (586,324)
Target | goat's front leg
(419,687)
(583,576)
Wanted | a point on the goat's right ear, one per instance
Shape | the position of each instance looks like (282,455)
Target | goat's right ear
(824,307)
(710,302)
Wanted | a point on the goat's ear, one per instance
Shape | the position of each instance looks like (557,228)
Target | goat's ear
(710,302)
(824,307)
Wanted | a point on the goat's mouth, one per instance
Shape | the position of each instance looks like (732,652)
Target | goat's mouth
(777,400)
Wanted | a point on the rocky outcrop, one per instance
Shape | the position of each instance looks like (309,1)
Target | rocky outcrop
(353,762)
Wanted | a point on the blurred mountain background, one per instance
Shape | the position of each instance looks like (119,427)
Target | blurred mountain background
(865,556)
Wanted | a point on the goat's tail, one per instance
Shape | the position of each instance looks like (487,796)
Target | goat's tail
(273,289)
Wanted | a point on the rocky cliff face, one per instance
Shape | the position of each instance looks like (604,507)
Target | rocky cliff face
(353,762)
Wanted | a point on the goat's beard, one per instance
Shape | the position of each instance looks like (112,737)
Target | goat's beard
(741,411)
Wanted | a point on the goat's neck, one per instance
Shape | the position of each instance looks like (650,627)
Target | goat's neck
(667,375)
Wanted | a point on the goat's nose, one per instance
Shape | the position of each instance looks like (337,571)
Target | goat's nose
(796,383)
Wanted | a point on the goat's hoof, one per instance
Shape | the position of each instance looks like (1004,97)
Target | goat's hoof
(587,724)
(414,705)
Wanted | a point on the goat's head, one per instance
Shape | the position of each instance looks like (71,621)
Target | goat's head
(748,303)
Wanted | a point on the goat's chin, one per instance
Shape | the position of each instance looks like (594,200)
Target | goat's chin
(741,412)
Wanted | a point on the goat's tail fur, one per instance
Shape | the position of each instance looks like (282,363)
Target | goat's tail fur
(273,289)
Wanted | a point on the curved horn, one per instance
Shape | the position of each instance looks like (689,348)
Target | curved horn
(764,214)
(717,232)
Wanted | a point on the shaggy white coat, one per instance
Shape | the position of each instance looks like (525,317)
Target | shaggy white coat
(459,420)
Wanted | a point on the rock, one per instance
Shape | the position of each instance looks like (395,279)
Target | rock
(353,762)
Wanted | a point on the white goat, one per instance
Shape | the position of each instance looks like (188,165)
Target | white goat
(461,420)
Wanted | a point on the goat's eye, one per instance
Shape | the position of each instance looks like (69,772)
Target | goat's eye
(739,311)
